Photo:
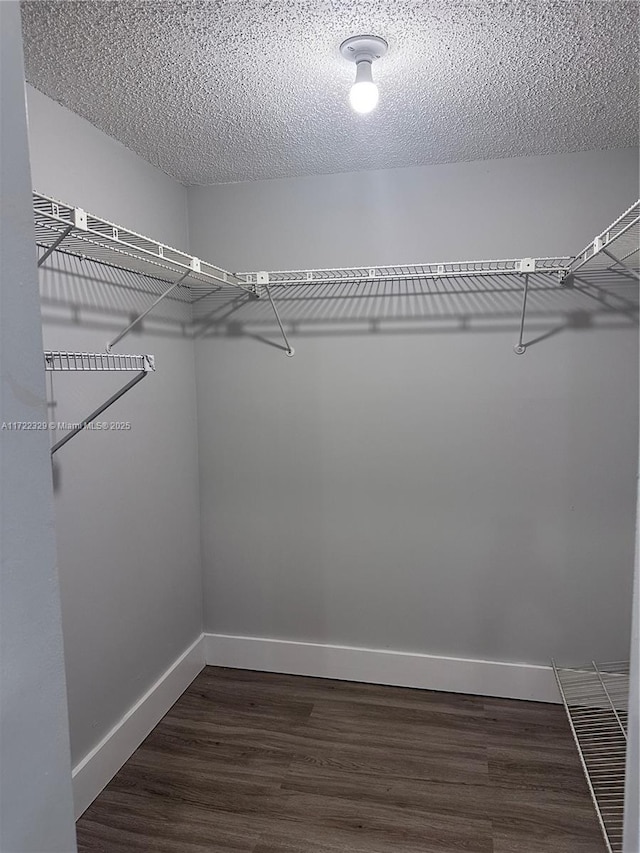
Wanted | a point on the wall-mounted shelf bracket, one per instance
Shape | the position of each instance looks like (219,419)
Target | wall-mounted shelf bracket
(196,266)
(620,263)
(78,222)
(262,279)
(43,257)
(525,266)
(91,362)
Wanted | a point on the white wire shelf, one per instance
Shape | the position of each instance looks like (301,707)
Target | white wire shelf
(63,228)
(398,272)
(97,361)
(621,239)
(60,227)
(91,362)
(617,247)
(596,699)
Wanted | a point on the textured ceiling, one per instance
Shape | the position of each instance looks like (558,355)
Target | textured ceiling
(233,90)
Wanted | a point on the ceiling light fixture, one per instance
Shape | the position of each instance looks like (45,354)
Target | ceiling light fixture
(362,50)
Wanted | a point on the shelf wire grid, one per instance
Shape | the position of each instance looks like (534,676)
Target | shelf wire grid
(87,236)
(96,361)
(453,299)
(621,239)
(596,699)
(397,292)
(401,272)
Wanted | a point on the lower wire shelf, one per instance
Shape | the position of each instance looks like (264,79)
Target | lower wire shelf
(596,698)
(102,361)
(96,361)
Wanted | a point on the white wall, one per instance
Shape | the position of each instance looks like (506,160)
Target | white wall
(127,517)
(36,809)
(426,491)
(454,212)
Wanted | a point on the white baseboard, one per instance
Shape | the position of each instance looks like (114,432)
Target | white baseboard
(380,666)
(347,663)
(100,765)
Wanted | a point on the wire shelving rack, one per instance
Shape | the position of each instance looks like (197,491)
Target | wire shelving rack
(90,361)
(62,228)
(615,250)
(595,698)
(71,230)
(399,272)
(60,360)
(59,227)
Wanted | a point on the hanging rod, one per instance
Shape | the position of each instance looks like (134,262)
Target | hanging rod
(91,362)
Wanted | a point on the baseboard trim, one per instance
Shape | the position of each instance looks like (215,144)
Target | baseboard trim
(381,666)
(347,663)
(102,763)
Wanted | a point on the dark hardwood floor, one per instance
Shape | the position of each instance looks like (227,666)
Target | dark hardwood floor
(249,762)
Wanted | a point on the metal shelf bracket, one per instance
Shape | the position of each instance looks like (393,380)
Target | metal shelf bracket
(196,268)
(79,217)
(43,257)
(617,262)
(262,279)
(525,266)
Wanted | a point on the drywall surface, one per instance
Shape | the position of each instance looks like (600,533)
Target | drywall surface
(406,481)
(127,498)
(36,809)
(452,212)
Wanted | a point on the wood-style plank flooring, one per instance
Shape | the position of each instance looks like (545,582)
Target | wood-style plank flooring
(249,762)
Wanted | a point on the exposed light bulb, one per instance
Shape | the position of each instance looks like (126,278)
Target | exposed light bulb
(363,50)
(363,96)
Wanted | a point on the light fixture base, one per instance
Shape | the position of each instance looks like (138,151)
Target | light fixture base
(363,48)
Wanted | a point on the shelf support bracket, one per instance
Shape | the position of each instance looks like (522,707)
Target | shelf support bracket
(263,280)
(620,263)
(98,411)
(525,266)
(135,322)
(55,245)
